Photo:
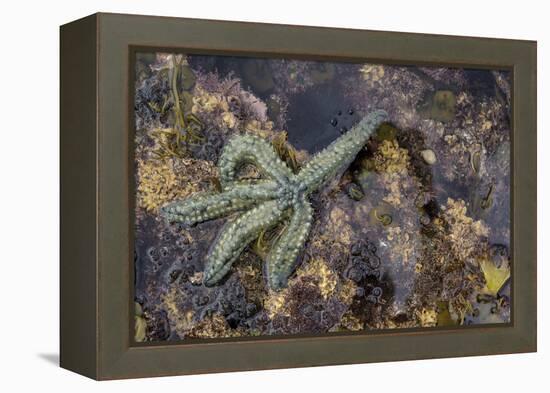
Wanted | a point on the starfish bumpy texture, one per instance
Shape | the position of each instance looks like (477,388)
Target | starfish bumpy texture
(279,196)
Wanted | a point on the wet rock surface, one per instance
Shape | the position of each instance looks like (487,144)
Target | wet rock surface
(415,234)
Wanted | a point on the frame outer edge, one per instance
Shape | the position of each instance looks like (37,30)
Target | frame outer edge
(78,192)
(525,190)
(117,34)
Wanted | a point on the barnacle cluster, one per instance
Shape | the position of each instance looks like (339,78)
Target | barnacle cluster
(464,233)
(166,180)
(315,299)
(457,244)
(402,241)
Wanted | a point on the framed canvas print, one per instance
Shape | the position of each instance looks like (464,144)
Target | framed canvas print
(239,196)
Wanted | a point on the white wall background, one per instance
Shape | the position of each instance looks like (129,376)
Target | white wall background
(29,193)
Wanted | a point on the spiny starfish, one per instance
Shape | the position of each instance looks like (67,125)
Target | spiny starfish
(279,195)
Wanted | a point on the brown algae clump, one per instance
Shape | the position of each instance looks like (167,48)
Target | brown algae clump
(211,327)
(465,234)
(161,181)
(427,317)
(390,158)
(372,74)
(315,298)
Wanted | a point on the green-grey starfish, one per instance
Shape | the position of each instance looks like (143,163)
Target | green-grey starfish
(279,195)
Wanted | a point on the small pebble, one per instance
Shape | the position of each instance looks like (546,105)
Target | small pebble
(429,156)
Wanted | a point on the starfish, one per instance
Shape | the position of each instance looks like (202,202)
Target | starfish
(280,195)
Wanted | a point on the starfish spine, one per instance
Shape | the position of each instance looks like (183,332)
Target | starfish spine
(281,259)
(253,150)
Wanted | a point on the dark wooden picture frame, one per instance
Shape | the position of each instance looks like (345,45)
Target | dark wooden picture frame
(97,193)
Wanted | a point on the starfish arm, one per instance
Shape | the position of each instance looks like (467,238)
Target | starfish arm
(256,151)
(281,261)
(205,206)
(236,235)
(339,154)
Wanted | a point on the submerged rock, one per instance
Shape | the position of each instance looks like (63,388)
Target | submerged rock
(414,234)
(439,105)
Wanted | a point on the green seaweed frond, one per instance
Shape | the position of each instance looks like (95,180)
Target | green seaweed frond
(495,277)
(187,125)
